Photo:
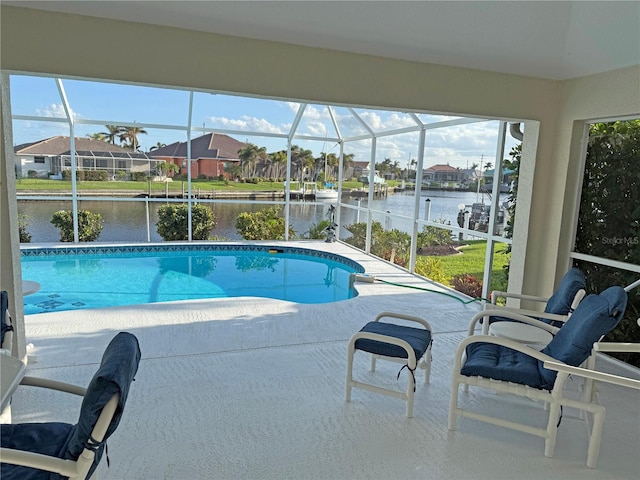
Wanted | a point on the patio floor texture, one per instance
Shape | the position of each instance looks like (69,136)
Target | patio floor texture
(247,388)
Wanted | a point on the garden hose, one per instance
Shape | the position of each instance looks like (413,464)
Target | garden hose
(372,279)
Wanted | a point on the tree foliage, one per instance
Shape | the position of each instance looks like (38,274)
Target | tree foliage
(173,222)
(609,219)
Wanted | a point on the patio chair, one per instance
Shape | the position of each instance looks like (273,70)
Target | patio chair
(589,388)
(30,451)
(410,346)
(6,327)
(510,367)
(558,307)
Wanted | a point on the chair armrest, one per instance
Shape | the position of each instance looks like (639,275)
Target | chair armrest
(513,315)
(593,374)
(53,385)
(534,313)
(401,316)
(66,468)
(521,296)
(618,347)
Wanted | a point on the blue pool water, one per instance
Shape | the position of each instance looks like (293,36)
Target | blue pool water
(73,278)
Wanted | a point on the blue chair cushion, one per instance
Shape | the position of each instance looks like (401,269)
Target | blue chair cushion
(489,360)
(595,316)
(44,438)
(4,306)
(560,302)
(418,338)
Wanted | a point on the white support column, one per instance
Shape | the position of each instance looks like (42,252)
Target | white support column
(72,151)
(189,176)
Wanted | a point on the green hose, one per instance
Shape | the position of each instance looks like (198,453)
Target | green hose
(434,291)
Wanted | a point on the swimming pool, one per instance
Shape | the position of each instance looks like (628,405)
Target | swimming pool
(74,278)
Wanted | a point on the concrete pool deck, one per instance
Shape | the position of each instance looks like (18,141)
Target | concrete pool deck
(247,388)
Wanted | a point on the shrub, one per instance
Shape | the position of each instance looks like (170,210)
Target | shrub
(392,245)
(359,233)
(467,284)
(267,224)
(23,223)
(96,175)
(121,175)
(431,268)
(317,230)
(32,174)
(173,222)
(431,236)
(89,225)
(138,176)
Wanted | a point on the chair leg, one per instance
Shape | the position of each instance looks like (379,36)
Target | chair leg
(552,428)
(453,404)
(596,436)
(349,382)
(411,386)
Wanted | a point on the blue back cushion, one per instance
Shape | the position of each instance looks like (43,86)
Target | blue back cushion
(560,301)
(4,305)
(595,316)
(117,370)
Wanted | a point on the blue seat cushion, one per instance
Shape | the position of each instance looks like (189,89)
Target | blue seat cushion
(418,338)
(498,362)
(44,438)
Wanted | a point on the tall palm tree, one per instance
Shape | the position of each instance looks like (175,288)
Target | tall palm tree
(248,157)
(278,160)
(113,132)
(301,158)
(129,136)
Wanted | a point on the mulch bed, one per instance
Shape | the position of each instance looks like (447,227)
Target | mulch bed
(438,250)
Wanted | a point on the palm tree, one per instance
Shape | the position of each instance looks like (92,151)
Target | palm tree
(248,157)
(113,131)
(301,158)
(129,135)
(96,136)
(158,145)
(278,159)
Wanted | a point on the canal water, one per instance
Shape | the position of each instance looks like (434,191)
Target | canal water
(126,221)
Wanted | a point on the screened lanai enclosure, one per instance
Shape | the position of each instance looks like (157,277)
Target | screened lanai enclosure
(400,181)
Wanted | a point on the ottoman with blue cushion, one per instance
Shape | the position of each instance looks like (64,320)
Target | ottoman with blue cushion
(409,345)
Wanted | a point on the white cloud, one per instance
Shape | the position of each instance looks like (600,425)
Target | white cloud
(247,123)
(55,110)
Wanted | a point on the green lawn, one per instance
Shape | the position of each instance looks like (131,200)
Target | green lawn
(472,262)
(174,186)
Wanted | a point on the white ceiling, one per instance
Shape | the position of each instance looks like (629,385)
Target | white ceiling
(552,39)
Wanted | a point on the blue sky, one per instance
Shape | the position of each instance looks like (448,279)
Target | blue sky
(460,146)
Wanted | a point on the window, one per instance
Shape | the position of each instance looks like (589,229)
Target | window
(38,159)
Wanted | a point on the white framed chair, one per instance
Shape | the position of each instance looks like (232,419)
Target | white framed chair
(589,391)
(404,344)
(558,308)
(34,451)
(506,366)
